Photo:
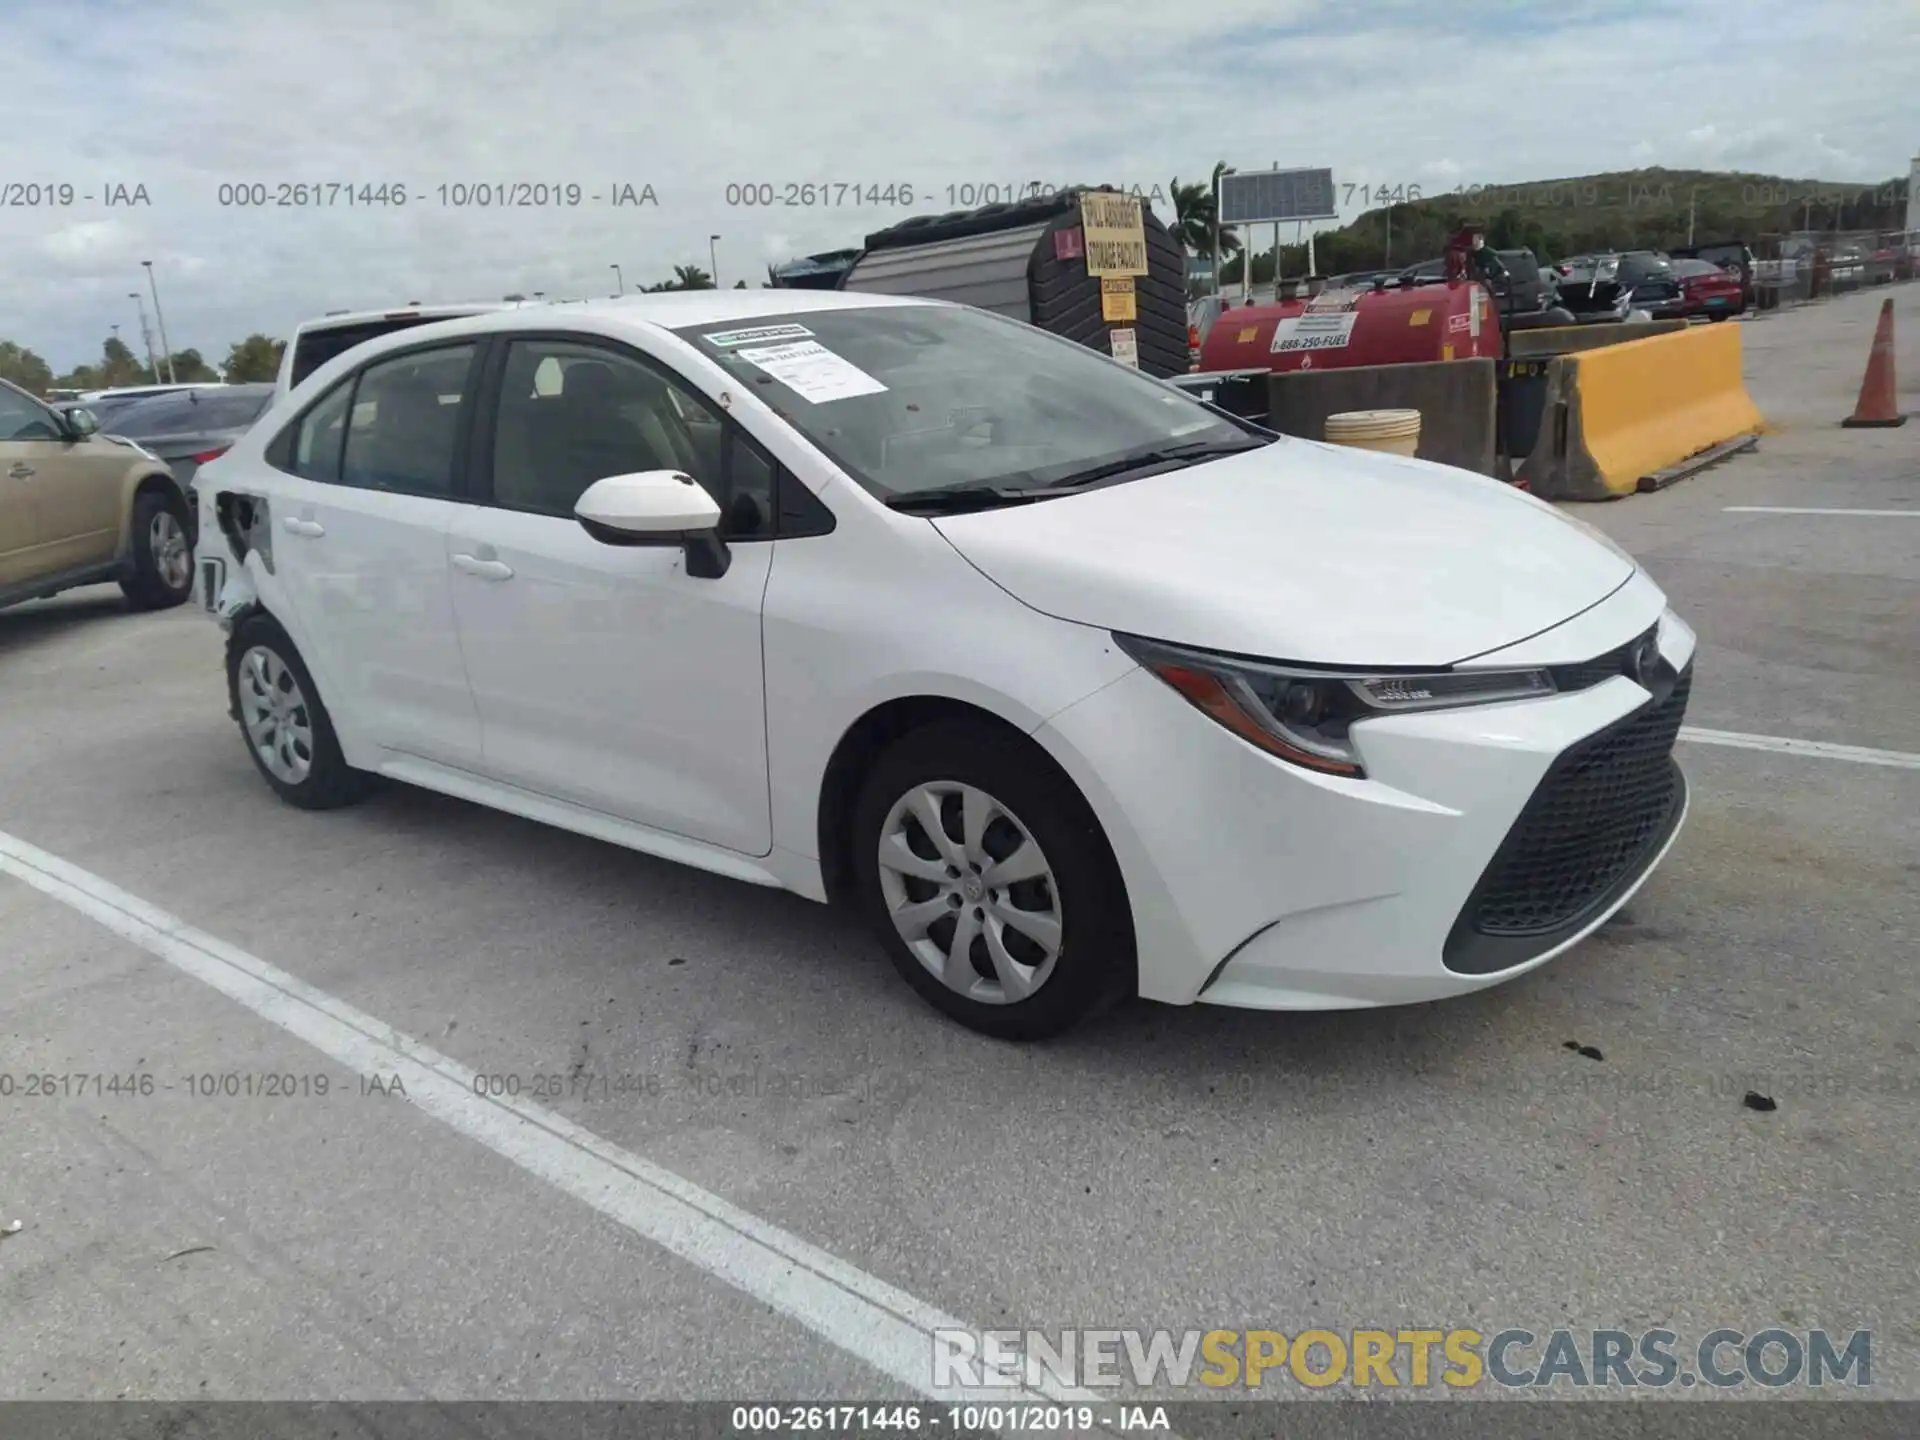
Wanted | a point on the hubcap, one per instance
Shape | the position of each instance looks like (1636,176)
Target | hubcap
(970,892)
(274,713)
(172,557)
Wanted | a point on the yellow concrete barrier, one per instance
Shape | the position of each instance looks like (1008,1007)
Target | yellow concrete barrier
(1636,415)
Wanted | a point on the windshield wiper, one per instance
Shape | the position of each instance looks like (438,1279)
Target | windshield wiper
(1163,455)
(956,499)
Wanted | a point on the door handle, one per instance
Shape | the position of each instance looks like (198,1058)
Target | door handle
(294,525)
(21,472)
(485,569)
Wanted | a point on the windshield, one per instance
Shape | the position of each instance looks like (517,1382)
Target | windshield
(913,398)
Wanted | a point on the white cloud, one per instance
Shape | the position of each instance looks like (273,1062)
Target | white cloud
(186,97)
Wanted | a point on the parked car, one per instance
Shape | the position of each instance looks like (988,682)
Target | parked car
(1731,255)
(81,508)
(1522,291)
(1656,288)
(1362,279)
(1611,288)
(1426,272)
(315,342)
(1026,684)
(105,404)
(190,429)
(1708,290)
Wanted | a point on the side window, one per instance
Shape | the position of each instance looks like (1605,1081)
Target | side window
(22,419)
(405,424)
(570,414)
(747,511)
(315,453)
(801,511)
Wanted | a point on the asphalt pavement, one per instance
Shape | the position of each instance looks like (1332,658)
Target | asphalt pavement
(842,1154)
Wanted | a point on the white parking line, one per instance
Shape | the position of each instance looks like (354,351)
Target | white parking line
(886,1328)
(1816,510)
(1818,749)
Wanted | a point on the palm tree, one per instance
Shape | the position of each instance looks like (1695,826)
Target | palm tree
(691,277)
(1196,216)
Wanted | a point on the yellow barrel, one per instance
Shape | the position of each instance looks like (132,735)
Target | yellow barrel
(1397,432)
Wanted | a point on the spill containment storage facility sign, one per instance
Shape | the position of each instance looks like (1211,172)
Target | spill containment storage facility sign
(1116,236)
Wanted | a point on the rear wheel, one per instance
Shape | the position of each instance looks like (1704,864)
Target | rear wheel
(287,729)
(162,556)
(988,880)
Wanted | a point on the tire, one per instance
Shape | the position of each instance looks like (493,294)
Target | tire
(308,769)
(162,558)
(1718,316)
(1091,963)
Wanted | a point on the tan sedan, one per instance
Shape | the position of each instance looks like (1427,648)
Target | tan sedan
(80,508)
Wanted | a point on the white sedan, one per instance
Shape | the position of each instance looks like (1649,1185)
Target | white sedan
(1076,687)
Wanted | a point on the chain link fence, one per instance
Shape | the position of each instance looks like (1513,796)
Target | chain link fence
(1805,267)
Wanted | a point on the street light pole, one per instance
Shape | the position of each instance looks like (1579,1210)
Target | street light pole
(619,280)
(160,320)
(713,259)
(146,335)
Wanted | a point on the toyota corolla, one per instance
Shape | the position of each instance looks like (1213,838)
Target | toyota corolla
(1076,687)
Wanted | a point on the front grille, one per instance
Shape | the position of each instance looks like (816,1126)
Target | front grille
(1602,810)
(1588,673)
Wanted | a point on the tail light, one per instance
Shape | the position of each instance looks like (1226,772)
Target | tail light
(1193,337)
(205,455)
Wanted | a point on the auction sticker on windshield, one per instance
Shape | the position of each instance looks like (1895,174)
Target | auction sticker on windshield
(758,336)
(812,371)
(1326,331)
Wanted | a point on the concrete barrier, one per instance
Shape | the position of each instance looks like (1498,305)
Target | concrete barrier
(1640,414)
(1455,399)
(1571,339)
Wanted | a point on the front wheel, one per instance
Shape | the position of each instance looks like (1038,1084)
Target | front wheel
(990,883)
(162,556)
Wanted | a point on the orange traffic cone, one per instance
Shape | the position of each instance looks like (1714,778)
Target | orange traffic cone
(1879,403)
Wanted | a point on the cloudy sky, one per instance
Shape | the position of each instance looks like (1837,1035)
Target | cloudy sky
(691,97)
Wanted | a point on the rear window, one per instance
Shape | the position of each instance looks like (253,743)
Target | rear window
(177,414)
(315,348)
(1520,264)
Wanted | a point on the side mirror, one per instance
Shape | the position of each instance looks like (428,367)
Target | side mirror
(81,422)
(657,507)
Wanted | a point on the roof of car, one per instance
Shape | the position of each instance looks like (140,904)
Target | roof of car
(665,310)
(118,390)
(674,308)
(346,319)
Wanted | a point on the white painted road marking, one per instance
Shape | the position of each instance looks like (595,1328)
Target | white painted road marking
(1817,749)
(869,1319)
(1815,510)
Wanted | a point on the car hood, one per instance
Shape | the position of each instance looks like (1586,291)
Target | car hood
(1300,551)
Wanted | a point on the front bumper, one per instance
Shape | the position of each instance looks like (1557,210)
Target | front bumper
(1259,884)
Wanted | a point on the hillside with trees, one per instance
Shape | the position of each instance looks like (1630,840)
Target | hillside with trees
(1653,208)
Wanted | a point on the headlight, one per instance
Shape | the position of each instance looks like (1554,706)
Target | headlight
(1306,716)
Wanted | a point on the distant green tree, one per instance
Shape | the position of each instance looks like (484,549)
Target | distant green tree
(254,359)
(188,368)
(24,368)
